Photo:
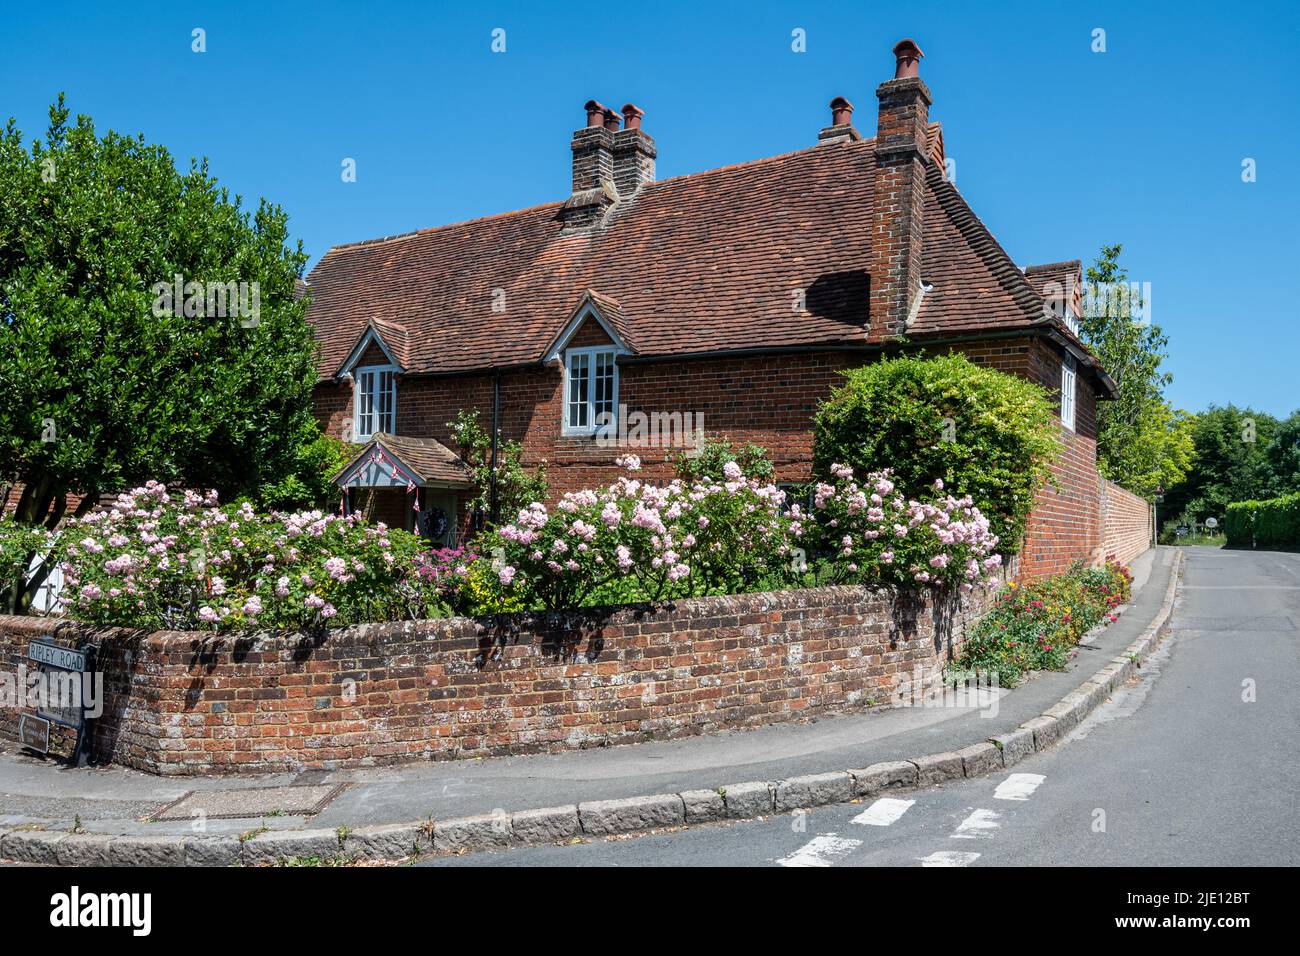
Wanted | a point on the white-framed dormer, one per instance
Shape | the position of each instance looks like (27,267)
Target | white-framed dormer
(589,372)
(372,368)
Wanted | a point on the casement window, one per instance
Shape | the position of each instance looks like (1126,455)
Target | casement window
(375,401)
(590,389)
(1068,377)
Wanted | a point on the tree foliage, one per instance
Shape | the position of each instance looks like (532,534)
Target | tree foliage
(1281,466)
(1142,442)
(1241,455)
(1230,443)
(101,390)
(984,433)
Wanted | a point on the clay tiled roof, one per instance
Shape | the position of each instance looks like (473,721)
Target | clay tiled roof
(430,461)
(612,312)
(701,263)
(1054,279)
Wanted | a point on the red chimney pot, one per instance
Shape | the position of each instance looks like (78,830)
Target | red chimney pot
(595,113)
(632,116)
(908,56)
(611,119)
(841,112)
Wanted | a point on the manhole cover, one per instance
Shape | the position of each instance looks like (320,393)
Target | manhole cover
(252,802)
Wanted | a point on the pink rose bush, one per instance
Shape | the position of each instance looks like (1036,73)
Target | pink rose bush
(163,559)
(639,541)
(635,540)
(879,537)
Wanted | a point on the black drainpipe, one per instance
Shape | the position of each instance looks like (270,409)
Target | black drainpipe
(496,429)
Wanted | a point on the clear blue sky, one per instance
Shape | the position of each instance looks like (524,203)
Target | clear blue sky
(1058,148)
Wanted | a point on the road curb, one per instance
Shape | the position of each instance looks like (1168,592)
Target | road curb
(502,829)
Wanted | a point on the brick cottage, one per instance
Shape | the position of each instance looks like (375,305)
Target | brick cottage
(725,302)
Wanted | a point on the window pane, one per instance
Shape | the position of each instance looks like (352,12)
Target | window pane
(365,404)
(579,390)
(604,391)
(1067,395)
(385,417)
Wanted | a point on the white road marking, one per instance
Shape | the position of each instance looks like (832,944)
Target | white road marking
(949,858)
(820,851)
(1018,786)
(883,812)
(981,823)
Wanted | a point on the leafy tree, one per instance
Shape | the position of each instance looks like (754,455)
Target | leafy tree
(1282,457)
(308,482)
(105,385)
(1230,463)
(985,433)
(1142,442)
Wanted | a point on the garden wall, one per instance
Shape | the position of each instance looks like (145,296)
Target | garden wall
(1128,523)
(190,703)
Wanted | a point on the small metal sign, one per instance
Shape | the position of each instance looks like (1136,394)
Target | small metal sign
(44,651)
(1211,522)
(34,733)
(66,671)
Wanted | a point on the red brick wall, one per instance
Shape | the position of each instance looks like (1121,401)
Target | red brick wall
(766,399)
(188,703)
(1065,524)
(769,400)
(1128,523)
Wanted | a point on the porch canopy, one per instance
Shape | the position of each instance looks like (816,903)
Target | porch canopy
(387,461)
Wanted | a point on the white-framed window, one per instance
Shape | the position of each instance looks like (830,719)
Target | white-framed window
(374,401)
(590,388)
(1068,377)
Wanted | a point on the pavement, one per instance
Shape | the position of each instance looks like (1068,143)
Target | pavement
(35,794)
(1192,763)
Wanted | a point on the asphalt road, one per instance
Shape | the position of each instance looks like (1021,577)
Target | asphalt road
(1195,763)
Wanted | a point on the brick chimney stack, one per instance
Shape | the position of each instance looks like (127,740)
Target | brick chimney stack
(593,169)
(901,160)
(634,154)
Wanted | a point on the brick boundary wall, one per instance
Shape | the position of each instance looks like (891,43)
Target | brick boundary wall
(184,703)
(1128,523)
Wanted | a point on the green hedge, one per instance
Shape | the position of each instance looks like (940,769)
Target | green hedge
(996,445)
(1275,522)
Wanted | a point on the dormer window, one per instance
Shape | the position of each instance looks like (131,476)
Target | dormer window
(374,401)
(590,389)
